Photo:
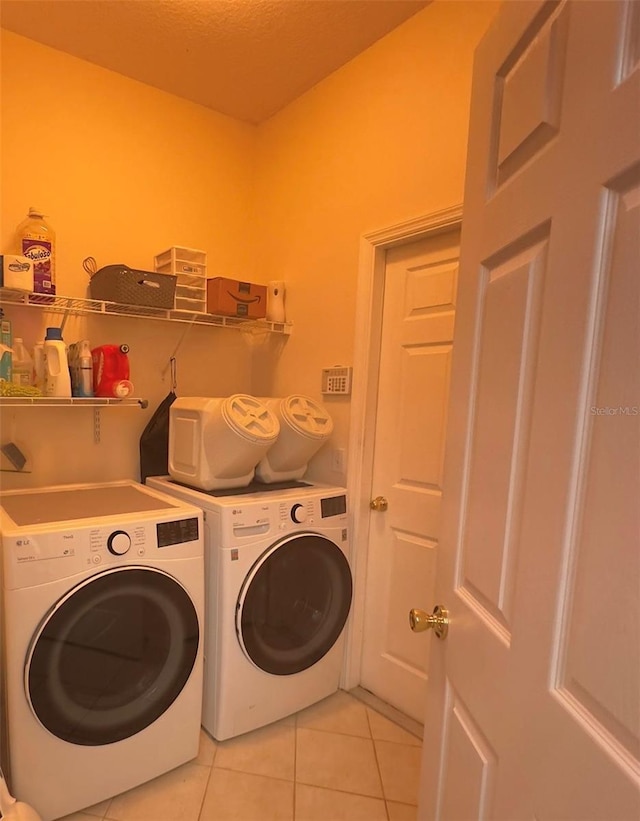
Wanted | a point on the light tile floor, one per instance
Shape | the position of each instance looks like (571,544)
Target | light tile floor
(339,760)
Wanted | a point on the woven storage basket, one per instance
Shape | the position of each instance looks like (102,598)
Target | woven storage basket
(127,286)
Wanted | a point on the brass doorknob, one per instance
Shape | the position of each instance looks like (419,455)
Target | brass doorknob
(419,620)
(379,504)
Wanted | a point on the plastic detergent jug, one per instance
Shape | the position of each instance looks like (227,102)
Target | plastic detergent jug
(57,381)
(22,364)
(37,378)
(111,371)
(37,241)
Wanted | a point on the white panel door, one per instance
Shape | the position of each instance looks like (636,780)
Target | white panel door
(533,708)
(413,389)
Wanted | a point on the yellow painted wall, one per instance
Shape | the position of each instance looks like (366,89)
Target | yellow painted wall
(380,141)
(125,170)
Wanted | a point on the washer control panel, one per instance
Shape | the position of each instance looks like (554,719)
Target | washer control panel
(32,556)
(298,512)
(255,518)
(108,544)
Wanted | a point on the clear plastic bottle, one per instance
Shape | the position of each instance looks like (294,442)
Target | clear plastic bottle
(22,373)
(56,365)
(37,240)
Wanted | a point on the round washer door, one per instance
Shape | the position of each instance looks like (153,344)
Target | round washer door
(112,655)
(294,604)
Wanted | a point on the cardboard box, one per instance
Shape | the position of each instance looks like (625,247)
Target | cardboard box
(16,272)
(230,297)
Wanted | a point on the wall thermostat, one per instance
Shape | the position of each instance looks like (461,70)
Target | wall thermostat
(336,380)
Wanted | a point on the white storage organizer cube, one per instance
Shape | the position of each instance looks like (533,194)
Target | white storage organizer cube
(216,442)
(304,427)
(190,267)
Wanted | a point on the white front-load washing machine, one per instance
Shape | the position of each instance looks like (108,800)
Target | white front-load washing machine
(103,613)
(278,593)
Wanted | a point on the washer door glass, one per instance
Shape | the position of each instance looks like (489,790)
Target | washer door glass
(112,655)
(294,604)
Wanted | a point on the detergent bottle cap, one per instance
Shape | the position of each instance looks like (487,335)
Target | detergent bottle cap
(54,333)
(122,388)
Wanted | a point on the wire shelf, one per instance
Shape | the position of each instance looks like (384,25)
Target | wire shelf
(72,401)
(74,305)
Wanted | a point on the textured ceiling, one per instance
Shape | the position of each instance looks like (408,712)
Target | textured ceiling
(244,58)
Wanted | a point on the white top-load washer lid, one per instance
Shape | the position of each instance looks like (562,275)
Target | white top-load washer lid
(65,503)
(250,418)
(306,417)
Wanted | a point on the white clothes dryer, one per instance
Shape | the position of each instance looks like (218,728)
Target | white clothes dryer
(103,613)
(278,593)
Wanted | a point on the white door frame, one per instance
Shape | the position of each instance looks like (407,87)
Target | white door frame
(368,333)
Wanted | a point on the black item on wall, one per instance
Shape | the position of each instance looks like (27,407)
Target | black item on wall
(154,441)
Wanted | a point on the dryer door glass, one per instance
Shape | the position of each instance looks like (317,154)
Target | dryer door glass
(112,656)
(294,604)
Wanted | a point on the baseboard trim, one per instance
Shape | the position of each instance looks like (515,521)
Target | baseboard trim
(380,706)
